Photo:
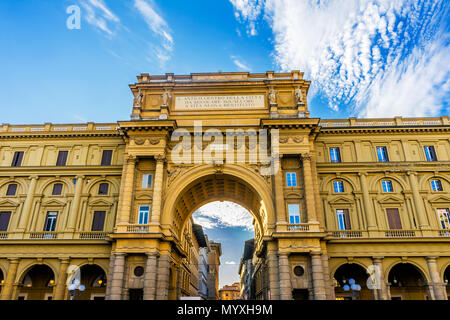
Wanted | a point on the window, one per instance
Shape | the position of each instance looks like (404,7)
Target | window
(294,213)
(343,218)
(50,221)
(430,153)
(387,186)
(103,189)
(291,179)
(99,220)
(147,180)
(57,189)
(62,158)
(382,154)
(338,186)
(436,185)
(394,218)
(335,154)
(444,218)
(144,211)
(17,159)
(4,220)
(106,157)
(12,189)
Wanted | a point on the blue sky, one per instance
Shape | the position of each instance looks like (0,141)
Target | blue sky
(366,58)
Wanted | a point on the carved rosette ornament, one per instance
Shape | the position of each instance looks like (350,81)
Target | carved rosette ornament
(155,141)
(139,141)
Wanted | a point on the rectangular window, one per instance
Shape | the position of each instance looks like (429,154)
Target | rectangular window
(430,153)
(338,186)
(12,189)
(147,180)
(343,218)
(57,189)
(50,221)
(17,159)
(62,158)
(436,185)
(335,154)
(294,213)
(382,154)
(444,218)
(291,179)
(387,186)
(106,157)
(144,212)
(98,222)
(394,218)
(4,220)
(103,189)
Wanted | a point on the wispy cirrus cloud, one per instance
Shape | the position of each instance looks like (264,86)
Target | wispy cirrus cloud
(100,16)
(240,64)
(223,215)
(157,24)
(376,58)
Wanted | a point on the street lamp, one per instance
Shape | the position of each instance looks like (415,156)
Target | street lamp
(74,287)
(352,286)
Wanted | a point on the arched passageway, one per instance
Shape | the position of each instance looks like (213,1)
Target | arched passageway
(407,283)
(37,284)
(2,280)
(342,278)
(94,279)
(447,281)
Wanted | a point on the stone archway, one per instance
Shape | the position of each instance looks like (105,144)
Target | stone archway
(407,282)
(37,283)
(93,277)
(2,280)
(447,280)
(351,271)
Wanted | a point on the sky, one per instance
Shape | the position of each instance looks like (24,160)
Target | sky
(365,58)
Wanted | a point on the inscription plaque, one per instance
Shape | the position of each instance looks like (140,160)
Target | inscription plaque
(192,103)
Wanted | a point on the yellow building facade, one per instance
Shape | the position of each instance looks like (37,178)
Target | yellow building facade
(332,200)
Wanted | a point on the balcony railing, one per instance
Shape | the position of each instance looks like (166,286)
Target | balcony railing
(399,233)
(3,235)
(43,235)
(444,233)
(138,228)
(298,227)
(93,235)
(347,234)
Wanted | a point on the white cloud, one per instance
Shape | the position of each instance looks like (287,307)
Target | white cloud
(223,214)
(157,25)
(248,10)
(230,262)
(99,15)
(240,64)
(378,57)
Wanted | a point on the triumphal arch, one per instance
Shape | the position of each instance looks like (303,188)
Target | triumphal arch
(221,136)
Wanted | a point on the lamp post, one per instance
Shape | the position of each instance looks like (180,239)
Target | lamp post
(74,287)
(353,287)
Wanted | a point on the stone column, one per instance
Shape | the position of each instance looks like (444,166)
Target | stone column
(60,289)
(73,217)
(329,286)
(157,188)
(418,201)
(118,277)
(110,276)
(382,292)
(127,195)
(309,188)
(278,186)
(438,287)
(150,276)
(26,210)
(317,276)
(10,278)
(273,271)
(162,288)
(368,209)
(285,277)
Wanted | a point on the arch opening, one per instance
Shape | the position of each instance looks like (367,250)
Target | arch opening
(407,282)
(37,284)
(342,278)
(93,277)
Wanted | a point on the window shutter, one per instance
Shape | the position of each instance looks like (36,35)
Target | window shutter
(106,158)
(99,220)
(12,189)
(348,225)
(394,219)
(4,220)
(62,158)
